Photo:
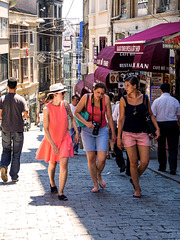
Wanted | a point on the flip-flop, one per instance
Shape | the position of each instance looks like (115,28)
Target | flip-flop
(95,190)
(131,181)
(137,196)
(102,184)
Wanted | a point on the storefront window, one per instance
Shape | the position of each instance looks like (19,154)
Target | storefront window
(142,7)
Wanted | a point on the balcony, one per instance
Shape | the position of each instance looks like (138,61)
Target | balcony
(54,25)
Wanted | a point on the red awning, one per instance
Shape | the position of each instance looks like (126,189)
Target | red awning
(102,75)
(88,82)
(136,42)
(79,89)
(116,61)
(155,58)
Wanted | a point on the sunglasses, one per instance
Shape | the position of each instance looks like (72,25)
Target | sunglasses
(135,111)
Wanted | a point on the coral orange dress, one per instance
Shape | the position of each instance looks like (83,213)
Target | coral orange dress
(58,128)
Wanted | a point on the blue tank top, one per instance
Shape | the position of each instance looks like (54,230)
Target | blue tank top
(135,118)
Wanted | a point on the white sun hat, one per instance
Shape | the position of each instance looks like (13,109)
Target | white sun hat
(57,88)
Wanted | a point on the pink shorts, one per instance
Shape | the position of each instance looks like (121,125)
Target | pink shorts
(130,139)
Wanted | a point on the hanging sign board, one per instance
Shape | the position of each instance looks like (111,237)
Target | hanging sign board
(113,77)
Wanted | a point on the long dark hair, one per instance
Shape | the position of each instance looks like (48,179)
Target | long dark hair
(132,80)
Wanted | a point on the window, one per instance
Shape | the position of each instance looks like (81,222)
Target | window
(102,43)
(123,9)
(14,37)
(92,6)
(24,37)
(142,7)
(24,69)
(102,5)
(116,8)
(59,13)
(15,69)
(164,6)
(55,11)
(32,68)
(31,37)
(3,67)
(3,28)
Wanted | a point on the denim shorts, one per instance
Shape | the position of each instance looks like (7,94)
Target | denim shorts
(92,142)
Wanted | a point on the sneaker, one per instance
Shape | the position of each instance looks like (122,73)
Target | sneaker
(75,153)
(4,176)
(62,197)
(53,189)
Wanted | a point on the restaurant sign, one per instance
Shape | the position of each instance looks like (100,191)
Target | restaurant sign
(173,42)
(122,47)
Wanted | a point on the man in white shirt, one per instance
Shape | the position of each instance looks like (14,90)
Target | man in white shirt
(73,104)
(167,112)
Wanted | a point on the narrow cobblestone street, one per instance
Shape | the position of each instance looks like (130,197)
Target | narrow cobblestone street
(29,211)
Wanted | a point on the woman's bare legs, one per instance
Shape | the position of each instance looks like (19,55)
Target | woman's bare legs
(91,156)
(51,172)
(144,158)
(133,158)
(137,170)
(101,160)
(63,163)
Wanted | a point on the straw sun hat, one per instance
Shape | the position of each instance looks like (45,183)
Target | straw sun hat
(57,88)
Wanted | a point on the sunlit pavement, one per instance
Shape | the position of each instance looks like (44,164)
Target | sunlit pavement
(29,211)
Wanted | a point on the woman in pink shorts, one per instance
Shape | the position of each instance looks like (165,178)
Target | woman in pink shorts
(132,130)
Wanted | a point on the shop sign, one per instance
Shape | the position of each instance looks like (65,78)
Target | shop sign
(95,53)
(113,77)
(102,62)
(121,85)
(129,48)
(172,42)
(157,79)
(155,93)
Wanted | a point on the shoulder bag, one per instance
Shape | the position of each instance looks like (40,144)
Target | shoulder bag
(84,114)
(70,122)
(150,125)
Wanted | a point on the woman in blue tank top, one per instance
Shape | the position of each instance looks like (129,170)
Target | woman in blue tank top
(132,130)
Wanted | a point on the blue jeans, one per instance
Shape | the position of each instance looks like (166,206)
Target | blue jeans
(12,143)
(72,134)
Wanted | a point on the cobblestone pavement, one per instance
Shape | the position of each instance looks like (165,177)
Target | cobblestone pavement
(29,211)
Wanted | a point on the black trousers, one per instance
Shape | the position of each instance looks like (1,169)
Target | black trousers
(119,157)
(169,130)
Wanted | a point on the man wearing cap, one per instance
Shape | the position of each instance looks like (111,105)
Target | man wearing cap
(13,108)
(167,112)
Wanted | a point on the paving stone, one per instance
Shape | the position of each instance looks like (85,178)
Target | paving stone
(29,211)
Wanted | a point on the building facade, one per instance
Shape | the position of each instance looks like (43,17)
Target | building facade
(4,45)
(50,42)
(99,29)
(23,52)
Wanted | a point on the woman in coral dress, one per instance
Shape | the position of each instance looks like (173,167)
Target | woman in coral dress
(57,144)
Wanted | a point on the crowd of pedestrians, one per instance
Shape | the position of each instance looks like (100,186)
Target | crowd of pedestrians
(121,126)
